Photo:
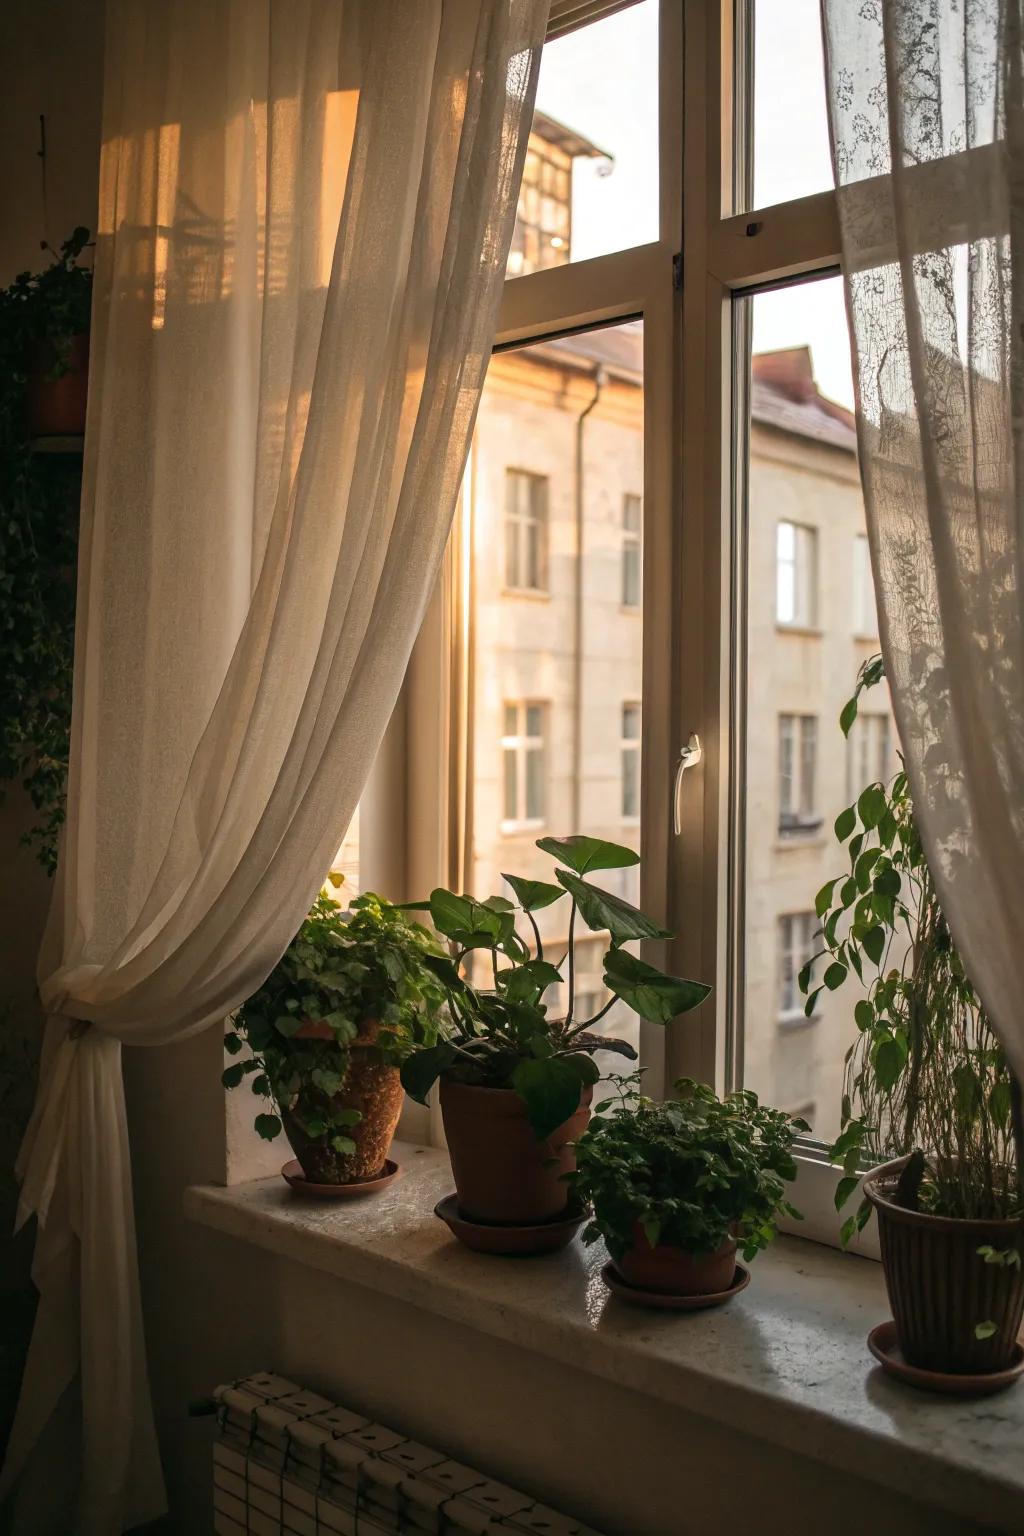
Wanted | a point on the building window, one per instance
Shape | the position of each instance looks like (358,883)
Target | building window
(796,581)
(526,531)
(632,524)
(798,753)
(542,233)
(523,750)
(869,753)
(630,762)
(865,612)
(796,947)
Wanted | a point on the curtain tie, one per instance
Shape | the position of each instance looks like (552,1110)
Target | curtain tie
(38,1164)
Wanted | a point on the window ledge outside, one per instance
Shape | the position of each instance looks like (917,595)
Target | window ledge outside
(787,1363)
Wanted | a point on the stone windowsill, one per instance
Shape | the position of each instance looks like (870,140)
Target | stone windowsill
(785,1362)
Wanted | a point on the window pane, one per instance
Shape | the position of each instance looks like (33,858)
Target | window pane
(527,686)
(804,518)
(788,129)
(590,184)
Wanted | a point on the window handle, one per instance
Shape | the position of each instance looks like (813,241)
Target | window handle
(689,757)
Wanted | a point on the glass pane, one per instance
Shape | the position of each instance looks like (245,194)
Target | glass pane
(789,139)
(550,410)
(590,184)
(804,517)
(510,804)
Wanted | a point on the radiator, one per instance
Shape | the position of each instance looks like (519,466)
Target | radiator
(288,1461)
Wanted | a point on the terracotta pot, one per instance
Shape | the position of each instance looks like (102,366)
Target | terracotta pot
(502,1172)
(369,1086)
(940,1288)
(56,407)
(675,1272)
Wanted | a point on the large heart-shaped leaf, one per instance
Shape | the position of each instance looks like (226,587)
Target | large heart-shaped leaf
(601,910)
(651,993)
(420,1071)
(586,853)
(525,983)
(550,1089)
(450,913)
(534,894)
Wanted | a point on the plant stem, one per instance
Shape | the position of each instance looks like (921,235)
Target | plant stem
(536,934)
(572,968)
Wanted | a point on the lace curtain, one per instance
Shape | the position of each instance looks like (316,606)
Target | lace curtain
(928,141)
(305,210)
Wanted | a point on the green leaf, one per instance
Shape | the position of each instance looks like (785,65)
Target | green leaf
(999,1103)
(343,1144)
(445,969)
(652,1230)
(887,882)
(232,1076)
(848,715)
(847,1230)
(844,1189)
(601,910)
(845,823)
(525,983)
(550,1090)
(347,1116)
(585,1067)
(985,1330)
(420,1071)
(871,805)
(887,1060)
(864,1016)
(261,1086)
(823,900)
(533,894)
(584,854)
(873,943)
(327,1081)
(835,975)
(267,1126)
(449,913)
(232,1043)
(652,994)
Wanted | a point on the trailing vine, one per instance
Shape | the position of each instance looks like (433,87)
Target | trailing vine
(39,512)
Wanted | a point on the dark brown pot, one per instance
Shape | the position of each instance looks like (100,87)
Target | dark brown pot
(372,1088)
(56,407)
(674,1272)
(940,1288)
(502,1172)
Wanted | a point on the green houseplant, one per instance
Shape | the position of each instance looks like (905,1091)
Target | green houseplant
(676,1186)
(927,1092)
(326,1032)
(517,1079)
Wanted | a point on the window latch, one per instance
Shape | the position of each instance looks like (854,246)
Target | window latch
(689,757)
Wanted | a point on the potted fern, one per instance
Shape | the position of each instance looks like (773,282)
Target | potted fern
(325,1034)
(928,1094)
(516,1077)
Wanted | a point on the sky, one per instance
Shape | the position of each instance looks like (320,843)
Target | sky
(602,81)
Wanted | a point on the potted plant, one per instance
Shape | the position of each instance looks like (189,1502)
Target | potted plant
(517,1077)
(676,1187)
(46,339)
(927,1092)
(326,1032)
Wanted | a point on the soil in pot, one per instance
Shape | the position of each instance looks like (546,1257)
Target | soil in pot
(372,1088)
(674,1272)
(56,407)
(939,1286)
(502,1172)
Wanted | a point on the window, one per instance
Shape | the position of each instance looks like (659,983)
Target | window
(869,752)
(632,569)
(796,575)
(798,753)
(526,524)
(630,762)
(865,614)
(796,947)
(523,764)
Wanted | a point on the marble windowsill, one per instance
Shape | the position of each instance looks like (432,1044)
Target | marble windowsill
(785,1362)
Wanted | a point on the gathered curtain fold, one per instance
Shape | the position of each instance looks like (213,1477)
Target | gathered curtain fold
(305,212)
(927,121)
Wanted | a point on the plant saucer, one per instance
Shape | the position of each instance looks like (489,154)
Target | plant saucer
(292,1174)
(666,1301)
(510,1238)
(884,1345)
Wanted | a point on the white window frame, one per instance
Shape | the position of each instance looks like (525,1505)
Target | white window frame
(804,574)
(869,751)
(865,608)
(632,552)
(518,526)
(629,758)
(798,787)
(796,945)
(522,743)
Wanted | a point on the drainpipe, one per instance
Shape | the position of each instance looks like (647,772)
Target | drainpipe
(599,377)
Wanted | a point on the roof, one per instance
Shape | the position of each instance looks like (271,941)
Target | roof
(783,395)
(565,138)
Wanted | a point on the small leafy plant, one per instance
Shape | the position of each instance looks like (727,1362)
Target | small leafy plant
(692,1172)
(926,1070)
(342,971)
(503,1036)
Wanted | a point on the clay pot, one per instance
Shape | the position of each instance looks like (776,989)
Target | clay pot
(56,407)
(674,1272)
(502,1172)
(940,1288)
(369,1086)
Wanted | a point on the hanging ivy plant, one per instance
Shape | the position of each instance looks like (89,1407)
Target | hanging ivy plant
(39,511)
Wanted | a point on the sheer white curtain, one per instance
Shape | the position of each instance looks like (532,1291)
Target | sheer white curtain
(305,211)
(928,141)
